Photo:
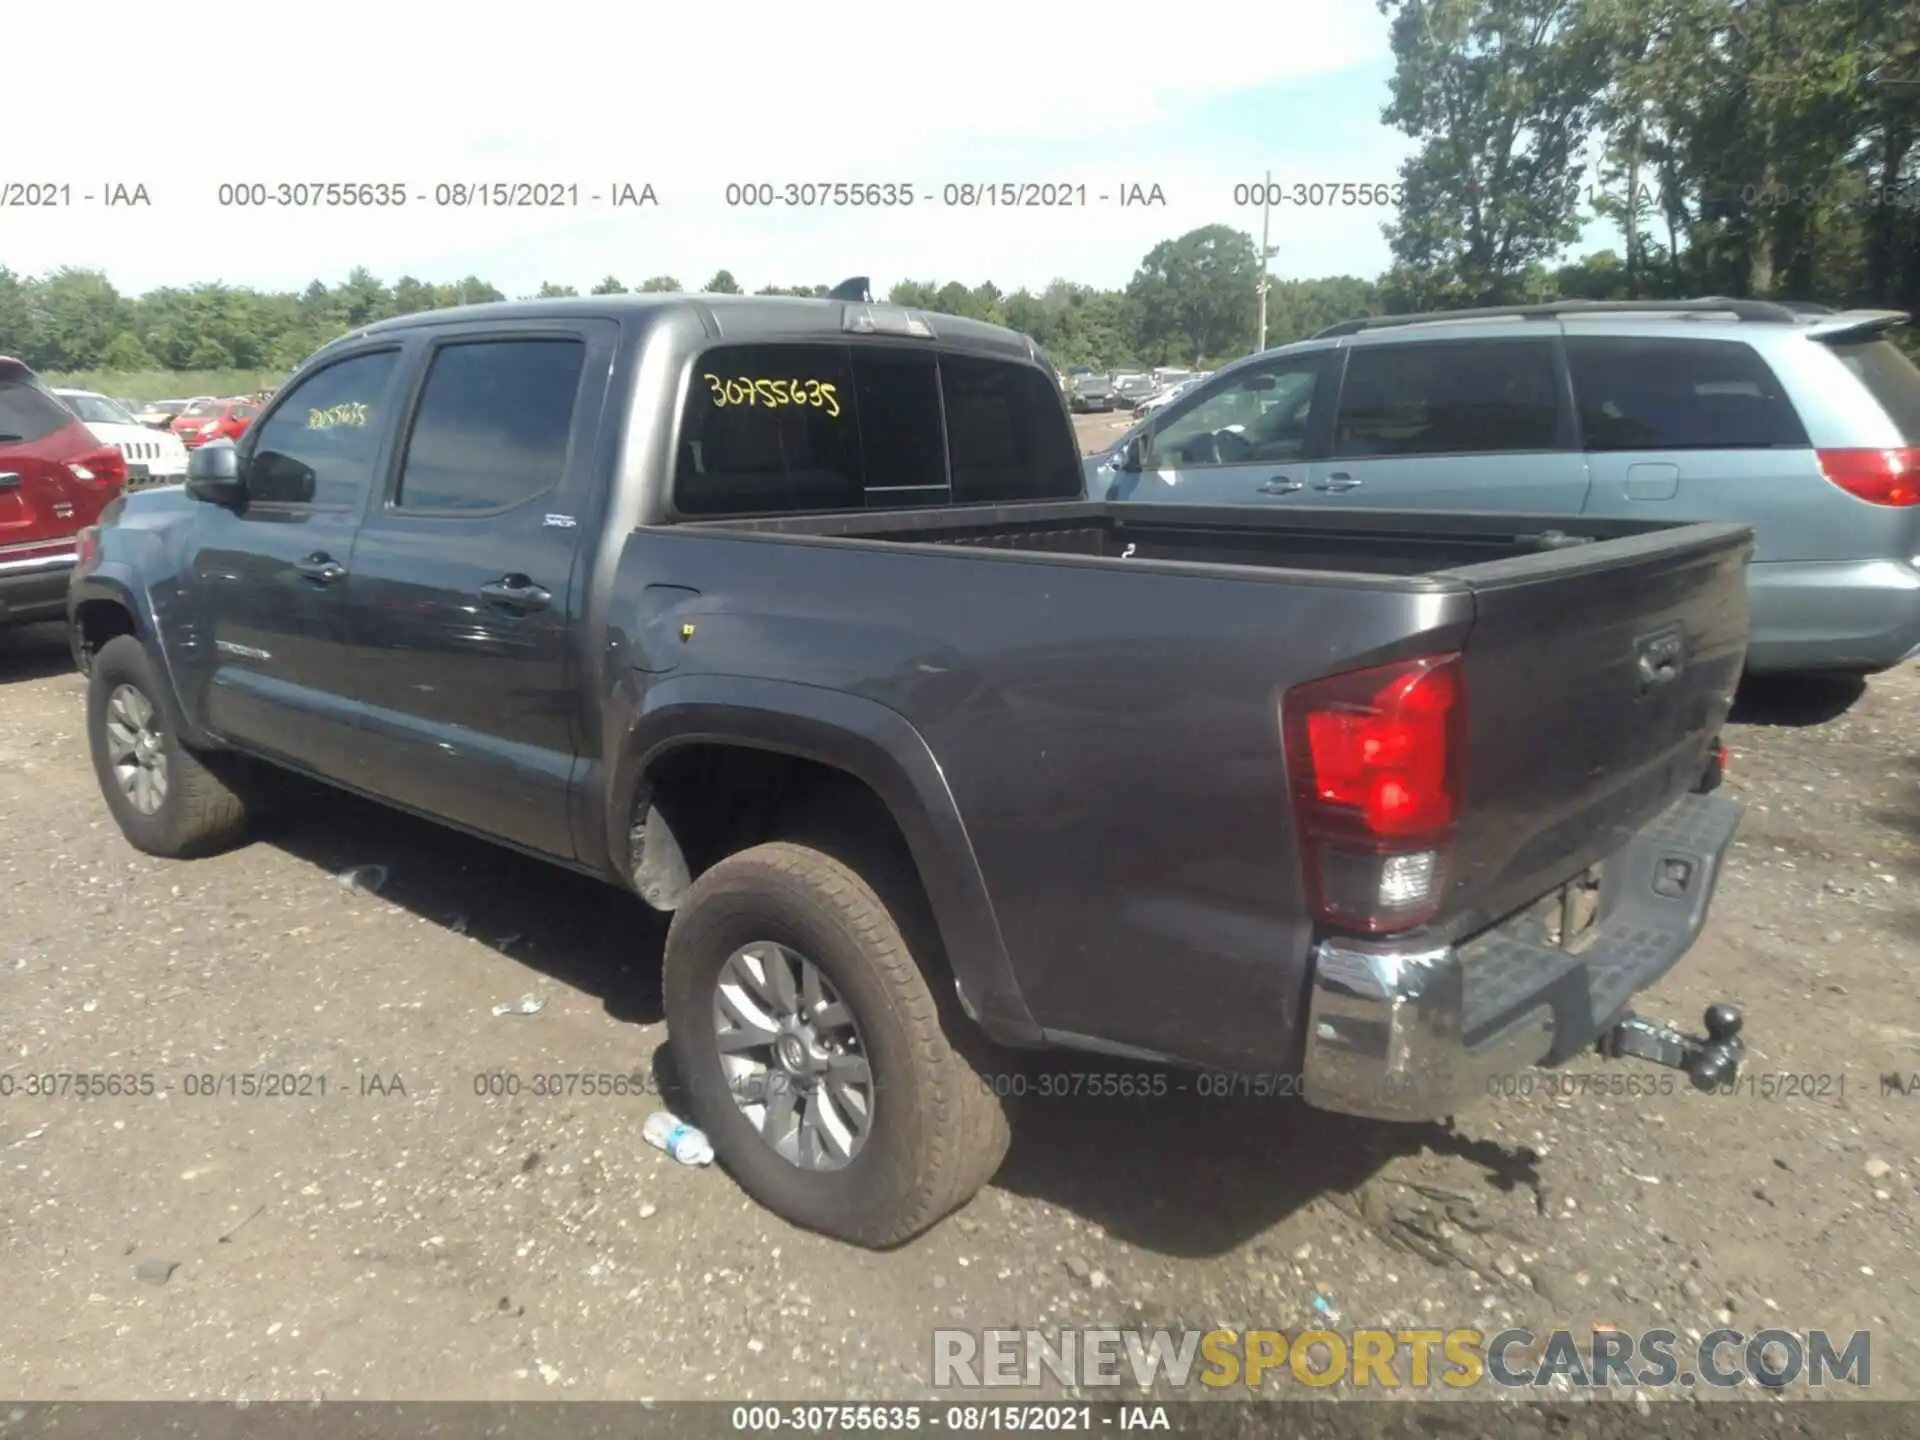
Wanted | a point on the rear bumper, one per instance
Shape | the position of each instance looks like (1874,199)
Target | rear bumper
(1839,615)
(34,589)
(1419,1033)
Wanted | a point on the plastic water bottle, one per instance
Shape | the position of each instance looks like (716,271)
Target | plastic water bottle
(679,1139)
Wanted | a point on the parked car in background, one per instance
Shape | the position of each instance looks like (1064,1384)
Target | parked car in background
(159,414)
(206,420)
(55,478)
(1088,391)
(1166,395)
(1131,389)
(152,458)
(1801,421)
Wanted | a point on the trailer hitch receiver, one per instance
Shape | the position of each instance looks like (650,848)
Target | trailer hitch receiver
(1710,1061)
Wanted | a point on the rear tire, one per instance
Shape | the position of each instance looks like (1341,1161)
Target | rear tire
(936,1132)
(166,799)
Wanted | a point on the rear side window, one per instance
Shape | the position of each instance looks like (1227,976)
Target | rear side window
(1891,378)
(1474,398)
(1677,394)
(774,429)
(493,424)
(28,412)
(1005,439)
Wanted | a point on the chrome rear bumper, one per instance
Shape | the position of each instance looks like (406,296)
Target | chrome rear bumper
(1398,1032)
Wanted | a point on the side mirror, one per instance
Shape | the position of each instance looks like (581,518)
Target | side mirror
(213,474)
(1259,382)
(1127,457)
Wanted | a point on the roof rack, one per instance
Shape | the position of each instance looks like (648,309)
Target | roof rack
(1746,310)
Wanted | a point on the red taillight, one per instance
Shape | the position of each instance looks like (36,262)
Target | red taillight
(105,467)
(1879,477)
(86,546)
(1376,762)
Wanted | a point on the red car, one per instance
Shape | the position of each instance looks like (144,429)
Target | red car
(206,420)
(55,479)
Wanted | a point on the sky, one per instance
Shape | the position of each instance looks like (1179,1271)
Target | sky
(688,99)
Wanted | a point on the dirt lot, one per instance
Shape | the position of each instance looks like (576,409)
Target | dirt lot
(405,1235)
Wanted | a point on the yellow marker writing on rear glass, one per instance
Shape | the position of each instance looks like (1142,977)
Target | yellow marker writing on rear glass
(820,394)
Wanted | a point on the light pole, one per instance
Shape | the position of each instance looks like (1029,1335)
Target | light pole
(1266,254)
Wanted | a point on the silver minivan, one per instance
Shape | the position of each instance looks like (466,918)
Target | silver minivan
(1801,421)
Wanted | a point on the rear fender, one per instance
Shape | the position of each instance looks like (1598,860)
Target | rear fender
(875,745)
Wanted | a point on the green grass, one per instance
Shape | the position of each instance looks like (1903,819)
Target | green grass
(166,384)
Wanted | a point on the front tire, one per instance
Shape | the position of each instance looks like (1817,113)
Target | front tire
(813,1053)
(164,797)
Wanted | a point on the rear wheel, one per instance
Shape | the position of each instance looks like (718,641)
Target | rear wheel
(165,798)
(813,1051)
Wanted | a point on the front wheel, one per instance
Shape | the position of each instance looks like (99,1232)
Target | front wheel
(813,1051)
(165,798)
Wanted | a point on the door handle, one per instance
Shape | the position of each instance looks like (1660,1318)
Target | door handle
(321,569)
(516,592)
(1279,485)
(1341,481)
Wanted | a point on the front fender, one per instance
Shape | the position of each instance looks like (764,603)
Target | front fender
(876,745)
(116,583)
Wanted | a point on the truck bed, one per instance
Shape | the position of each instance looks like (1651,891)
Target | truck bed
(1349,545)
(1100,687)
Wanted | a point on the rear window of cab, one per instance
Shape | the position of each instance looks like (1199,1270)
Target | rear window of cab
(786,428)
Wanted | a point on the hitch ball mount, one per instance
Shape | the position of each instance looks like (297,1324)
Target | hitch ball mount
(1710,1061)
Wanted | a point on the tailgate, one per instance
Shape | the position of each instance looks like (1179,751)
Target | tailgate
(1597,677)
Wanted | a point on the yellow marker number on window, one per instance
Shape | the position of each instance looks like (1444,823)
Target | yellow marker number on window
(820,394)
(353,414)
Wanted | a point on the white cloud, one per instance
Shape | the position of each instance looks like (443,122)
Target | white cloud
(682,97)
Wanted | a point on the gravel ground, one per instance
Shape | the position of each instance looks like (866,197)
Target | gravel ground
(405,1235)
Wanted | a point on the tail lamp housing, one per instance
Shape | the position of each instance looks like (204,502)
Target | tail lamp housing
(104,468)
(1879,477)
(1376,763)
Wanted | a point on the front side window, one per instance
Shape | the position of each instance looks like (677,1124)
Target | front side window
(493,424)
(1257,416)
(317,448)
(1677,394)
(1471,398)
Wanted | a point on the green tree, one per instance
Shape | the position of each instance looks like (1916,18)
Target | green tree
(661,285)
(1194,297)
(550,291)
(722,283)
(75,314)
(362,299)
(125,354)
(1500,96)
(609,286)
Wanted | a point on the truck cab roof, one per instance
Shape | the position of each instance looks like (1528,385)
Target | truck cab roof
(736,318)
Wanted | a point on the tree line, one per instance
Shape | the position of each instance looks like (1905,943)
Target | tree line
(1752,148)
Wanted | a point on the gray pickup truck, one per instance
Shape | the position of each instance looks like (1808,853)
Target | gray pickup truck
(791,617)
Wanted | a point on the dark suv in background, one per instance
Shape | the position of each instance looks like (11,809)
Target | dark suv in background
(1801,421)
